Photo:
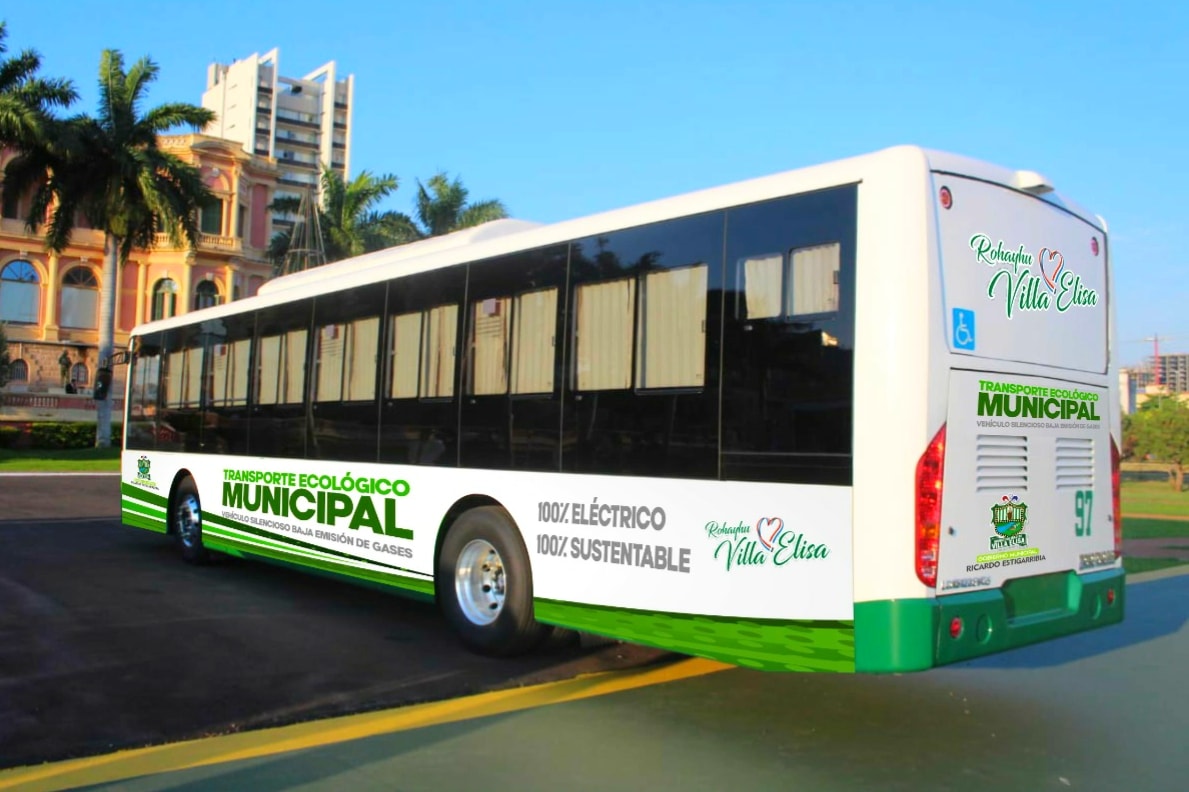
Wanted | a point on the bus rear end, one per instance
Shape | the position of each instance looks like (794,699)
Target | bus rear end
(1018,524)
(1018,535)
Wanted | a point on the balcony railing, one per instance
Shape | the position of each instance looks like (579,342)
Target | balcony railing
(209,242)
(80,237)
(53,401)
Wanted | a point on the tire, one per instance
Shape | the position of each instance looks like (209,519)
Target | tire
(484,584)
(185,522)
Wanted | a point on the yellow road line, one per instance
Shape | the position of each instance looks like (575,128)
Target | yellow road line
(267,742)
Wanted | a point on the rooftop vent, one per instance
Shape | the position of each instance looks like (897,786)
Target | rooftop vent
(1031,182)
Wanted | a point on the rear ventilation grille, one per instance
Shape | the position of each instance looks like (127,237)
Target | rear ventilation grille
(1001,463)
(1075,462)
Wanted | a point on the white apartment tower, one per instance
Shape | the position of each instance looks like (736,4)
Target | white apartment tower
(304,123)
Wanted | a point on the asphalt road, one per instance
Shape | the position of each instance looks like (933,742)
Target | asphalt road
(108,640)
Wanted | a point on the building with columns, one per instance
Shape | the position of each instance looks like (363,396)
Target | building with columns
(49,302)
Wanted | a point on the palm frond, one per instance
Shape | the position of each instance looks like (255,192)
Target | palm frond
(482,212)
(168,116)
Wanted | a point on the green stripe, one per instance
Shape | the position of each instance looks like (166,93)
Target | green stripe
(210,530)
(209,517)
(135,520)
(768,644)
(142,508)
(414,586)
(136,493)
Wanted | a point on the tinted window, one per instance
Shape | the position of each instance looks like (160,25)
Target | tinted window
(419,412)
(346,359)
(511,415)
(278,424)
(229,356)
(788,360)
(642,393)
(144,382)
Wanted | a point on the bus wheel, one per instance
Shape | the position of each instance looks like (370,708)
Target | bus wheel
(485,586)
(185,516)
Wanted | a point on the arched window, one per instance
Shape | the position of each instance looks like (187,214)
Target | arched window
(206,295)
(165,299)
(20,293)
(80,298)
(18,371)
(79,375)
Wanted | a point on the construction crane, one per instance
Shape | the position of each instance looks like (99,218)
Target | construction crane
(1155,340)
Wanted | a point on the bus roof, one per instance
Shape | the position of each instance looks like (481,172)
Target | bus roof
(501,237)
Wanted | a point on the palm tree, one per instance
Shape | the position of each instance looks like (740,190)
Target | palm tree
(26,99)
(350,223)
(443,208)
(110,170)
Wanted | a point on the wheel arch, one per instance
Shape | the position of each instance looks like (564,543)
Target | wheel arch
(463,504)
(178,478)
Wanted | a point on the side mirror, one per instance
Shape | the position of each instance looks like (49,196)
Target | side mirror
(102,384)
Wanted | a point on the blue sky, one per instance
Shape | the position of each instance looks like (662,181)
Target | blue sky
(561,109)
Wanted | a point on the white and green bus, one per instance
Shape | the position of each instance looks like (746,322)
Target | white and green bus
(856,417)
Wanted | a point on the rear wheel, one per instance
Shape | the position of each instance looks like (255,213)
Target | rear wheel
(485,583)
(185,522)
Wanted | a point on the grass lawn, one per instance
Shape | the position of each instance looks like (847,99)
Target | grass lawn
(1148,528)
(1133,566)
(72,461)
(1153,497)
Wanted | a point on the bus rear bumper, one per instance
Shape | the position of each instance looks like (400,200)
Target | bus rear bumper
(915,634)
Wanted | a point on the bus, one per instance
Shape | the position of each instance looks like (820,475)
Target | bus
(861,416)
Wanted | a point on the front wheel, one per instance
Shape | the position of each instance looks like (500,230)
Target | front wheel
(484,584)
(185,515)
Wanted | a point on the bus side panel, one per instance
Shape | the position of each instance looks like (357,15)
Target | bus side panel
(753,573)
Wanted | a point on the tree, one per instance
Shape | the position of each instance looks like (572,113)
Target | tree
(1160,429)
(26,100)
(443,208)
(351,225)
(110,170)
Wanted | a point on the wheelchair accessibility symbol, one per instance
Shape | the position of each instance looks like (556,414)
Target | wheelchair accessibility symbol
(963,328)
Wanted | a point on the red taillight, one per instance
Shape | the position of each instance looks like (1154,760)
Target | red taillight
(1115,505)
(946,197)
(956,627)
(928,535)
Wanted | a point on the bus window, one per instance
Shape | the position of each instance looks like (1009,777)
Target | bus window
(671,342)
(763,286)
(423,353)
(490,333)
(535,342)
(605,312)
(815,279)
(143,393)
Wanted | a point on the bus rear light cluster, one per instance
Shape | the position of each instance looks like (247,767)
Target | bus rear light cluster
(928,518)
(1117,511)
(956,627)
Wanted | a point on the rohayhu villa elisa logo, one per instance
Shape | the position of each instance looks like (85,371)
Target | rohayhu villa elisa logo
(769,541)
(1031,283)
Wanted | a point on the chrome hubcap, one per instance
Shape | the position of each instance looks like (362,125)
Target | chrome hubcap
(479,582)
(187,520)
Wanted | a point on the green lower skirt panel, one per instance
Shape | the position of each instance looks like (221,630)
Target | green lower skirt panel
(915,634)
(142,509)
(768,644)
